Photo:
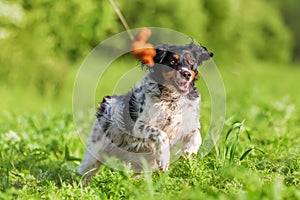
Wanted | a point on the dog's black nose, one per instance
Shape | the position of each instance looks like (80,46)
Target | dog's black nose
(186,74)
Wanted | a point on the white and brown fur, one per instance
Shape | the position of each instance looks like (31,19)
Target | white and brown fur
(157,120)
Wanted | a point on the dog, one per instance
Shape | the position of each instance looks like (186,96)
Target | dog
(157,120)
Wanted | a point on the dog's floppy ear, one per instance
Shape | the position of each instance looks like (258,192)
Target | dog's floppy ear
(161,52)
(201,53)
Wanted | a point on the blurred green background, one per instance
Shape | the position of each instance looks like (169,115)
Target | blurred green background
(257,50)
(44,42)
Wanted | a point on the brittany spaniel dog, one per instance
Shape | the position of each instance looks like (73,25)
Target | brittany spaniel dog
(155,121)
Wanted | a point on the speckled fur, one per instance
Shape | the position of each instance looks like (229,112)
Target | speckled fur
(155,120)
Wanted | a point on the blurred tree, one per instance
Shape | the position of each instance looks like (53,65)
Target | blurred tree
(243,30)
(39,39)
(290,10)
(51,36)
(74,27)
(185,16)
(234,29)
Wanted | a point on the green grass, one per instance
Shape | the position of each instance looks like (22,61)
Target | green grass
(256,157)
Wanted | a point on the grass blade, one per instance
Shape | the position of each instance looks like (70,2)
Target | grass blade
(245,154)
(233,127)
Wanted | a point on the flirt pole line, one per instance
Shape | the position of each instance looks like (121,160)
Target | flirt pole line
(121,17)
(140,49)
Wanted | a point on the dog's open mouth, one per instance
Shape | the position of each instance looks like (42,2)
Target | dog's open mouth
(181,87)
(184,86)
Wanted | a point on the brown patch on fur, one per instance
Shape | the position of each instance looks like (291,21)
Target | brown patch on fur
(168,75)
(176,57)
(167,124)
(193,75)
(194,131)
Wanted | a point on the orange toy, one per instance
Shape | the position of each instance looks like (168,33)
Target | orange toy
(141,50)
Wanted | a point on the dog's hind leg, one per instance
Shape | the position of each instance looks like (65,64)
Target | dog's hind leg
(89,167)
(88,175)
(91,161)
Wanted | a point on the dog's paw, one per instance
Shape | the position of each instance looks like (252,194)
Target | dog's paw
(163,166)
(163,160)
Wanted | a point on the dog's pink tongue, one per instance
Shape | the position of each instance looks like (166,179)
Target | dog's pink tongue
(184,86)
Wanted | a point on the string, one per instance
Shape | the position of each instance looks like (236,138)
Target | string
(121,17)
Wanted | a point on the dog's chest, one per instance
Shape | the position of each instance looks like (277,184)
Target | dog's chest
(176,117)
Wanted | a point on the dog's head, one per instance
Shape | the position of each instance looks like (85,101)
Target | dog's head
(176,66)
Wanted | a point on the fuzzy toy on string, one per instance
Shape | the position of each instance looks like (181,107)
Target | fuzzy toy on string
(142,50)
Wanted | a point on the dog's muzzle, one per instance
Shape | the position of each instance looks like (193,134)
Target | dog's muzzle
(187,74)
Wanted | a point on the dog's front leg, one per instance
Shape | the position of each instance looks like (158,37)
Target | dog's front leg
(152,135)
(193,142)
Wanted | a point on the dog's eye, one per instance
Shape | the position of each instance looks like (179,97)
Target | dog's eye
(172,61)
(191,62)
